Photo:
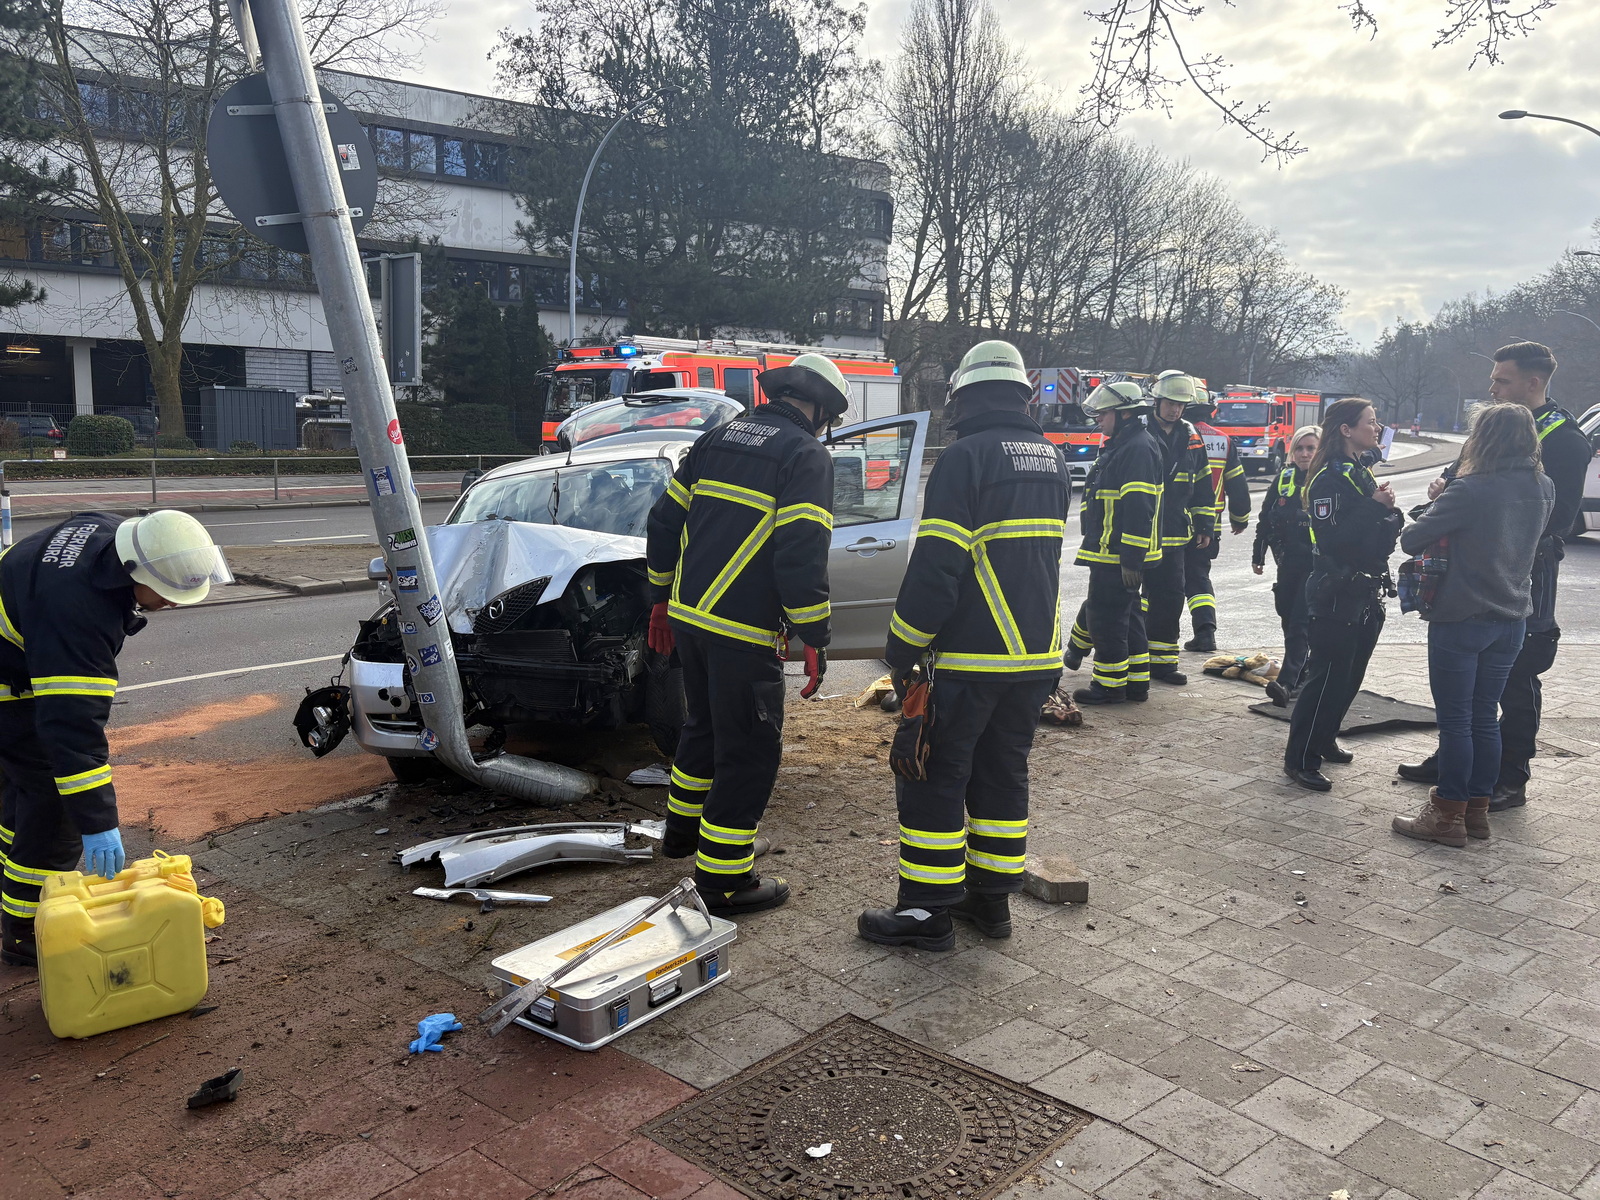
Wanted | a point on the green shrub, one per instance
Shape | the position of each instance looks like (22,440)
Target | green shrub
(477,429)
(423,427)
(243,447)
(94,436)
(173,441)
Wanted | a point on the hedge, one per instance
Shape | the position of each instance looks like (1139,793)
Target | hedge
(95,436)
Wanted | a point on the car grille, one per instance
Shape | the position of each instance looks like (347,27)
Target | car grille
(509,607)
(394,723)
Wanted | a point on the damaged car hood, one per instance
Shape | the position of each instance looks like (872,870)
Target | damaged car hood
(477,562)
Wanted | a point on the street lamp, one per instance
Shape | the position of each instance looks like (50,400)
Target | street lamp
(577,221)
(1580,316)
(1516,114)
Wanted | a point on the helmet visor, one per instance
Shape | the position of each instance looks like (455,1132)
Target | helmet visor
(184,576)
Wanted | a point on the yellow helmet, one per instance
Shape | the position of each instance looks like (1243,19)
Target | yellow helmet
(992,362)
(172,554)
(1174,385)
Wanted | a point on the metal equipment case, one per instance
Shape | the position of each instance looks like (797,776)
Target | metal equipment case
(664,960)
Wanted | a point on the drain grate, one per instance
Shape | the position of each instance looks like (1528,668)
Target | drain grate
(905,1123)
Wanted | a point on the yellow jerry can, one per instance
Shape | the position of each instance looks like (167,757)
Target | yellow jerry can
(115,952)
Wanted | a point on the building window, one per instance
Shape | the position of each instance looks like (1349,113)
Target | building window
(486,162)
(452,157)
(96,101)
(390,147)
(422,153)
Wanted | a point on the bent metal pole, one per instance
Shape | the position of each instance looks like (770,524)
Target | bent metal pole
(375,429)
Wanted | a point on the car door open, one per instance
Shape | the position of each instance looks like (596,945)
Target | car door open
(877,485)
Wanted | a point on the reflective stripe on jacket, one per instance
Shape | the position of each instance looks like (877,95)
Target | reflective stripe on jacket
(983,586)
(1122,500)
(1185,499)
(738,543)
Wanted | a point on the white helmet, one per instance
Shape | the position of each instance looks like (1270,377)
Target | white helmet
(1122,396)
(813,377)
(1174,385)
(992,362)
(172,554)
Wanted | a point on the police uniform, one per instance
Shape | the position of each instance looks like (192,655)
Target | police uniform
(1352,535)
(66,604)
(1121,519)
(981,597)
(1185,515)
(738,547)
(1566,454)
(1285,529)
(1226,488)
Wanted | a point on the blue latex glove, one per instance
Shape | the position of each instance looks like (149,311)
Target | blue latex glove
(102,853)
(432,1029)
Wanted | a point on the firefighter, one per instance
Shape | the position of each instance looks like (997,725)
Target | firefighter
(980,603)
(1228,489)
(1285,529)
(1521,375)
(1354,524)
(69,595)
(1120,520)
(738,553)
(1186,519)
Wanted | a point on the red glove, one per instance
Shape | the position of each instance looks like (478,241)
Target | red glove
(816,668)
(659,637)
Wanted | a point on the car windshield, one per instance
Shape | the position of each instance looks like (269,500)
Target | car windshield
(609,498)
(1054,418)
(572,390)
(1240,413)
(639,413)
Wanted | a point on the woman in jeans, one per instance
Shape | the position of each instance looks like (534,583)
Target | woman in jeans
(1284,527)
(1492,513)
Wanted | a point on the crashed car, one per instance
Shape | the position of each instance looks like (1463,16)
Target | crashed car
(541,566)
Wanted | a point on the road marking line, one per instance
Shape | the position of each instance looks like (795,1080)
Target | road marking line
(327,537)
(298,662)
(228,524)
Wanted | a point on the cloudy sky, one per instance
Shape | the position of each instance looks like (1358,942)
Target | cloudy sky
(1411,192)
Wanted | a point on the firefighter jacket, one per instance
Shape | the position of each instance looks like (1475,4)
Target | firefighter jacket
(66,604)
(1229,488)
(738,543)
(1351,533)
(983,586)
(1285,524)
(1122,500)
(1185,494)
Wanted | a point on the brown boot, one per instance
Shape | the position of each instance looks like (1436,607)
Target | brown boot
(1442,821)
(1477,817)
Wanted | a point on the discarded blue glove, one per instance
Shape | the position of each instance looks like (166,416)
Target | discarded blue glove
(432,1030)
(102,853)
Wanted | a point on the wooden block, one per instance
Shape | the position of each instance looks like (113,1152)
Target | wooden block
(1055,879)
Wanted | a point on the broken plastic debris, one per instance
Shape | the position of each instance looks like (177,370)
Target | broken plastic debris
(1246,1067)
(473,859)
(1297,872)
(1341,1194)
(823,1150)
(655,775)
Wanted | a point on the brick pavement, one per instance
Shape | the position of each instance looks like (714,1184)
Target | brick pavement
(1426,1024)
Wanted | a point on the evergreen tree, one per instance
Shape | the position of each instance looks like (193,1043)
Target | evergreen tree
(27,179)
(469,361)
(531,350)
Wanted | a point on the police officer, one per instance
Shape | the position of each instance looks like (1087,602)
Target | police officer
(1226,488)
(1186,518)
(1521,375)
(69,595)
(737,553)
(1121,522)
(980,602)
(1285,529)
(1354,524)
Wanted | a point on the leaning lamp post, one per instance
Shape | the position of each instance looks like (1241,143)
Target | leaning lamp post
(577,222)
(1517,114)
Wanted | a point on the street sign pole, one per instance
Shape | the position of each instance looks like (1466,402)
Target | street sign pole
(315,167)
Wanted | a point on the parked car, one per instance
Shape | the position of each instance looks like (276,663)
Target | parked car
(146,423)
(36,427)
(1589,510)
(541,567)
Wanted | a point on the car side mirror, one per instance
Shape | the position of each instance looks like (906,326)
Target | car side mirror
(378,570)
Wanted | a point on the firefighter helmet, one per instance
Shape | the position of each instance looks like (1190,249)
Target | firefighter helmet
(1116,397)
(992,362)
(1174,385)
(172,554)
(1202,406)
(813,377)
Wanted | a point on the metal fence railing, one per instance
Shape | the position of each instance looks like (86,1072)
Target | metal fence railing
(236,470)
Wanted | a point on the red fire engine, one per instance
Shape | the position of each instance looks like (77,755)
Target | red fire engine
(1058,396)
(590,372)
(1261,422)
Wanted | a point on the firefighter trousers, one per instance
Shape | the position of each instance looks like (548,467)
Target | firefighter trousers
(1521,705)
(965,827)
(1197,585)
(1111,623)
(37,839)
(728,755)
(1163,615)
(1340,651)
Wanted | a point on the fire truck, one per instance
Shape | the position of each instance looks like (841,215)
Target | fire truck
(592,371)
(1261,422)
(1058,396)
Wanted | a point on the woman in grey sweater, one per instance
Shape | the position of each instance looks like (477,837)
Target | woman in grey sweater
(1493,513)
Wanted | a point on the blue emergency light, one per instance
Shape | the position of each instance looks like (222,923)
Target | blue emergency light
(625,350)
(1049,387)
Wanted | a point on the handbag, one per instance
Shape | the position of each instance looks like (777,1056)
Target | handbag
(1420,576)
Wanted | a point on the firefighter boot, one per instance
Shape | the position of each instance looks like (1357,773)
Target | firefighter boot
(1477,817)
(1095,694)
(1175,677)
(1204,641)
(1426,771)
(1072,659)
(16,942)
(1442,821)
(925,929)
(1138,693)
(756,896)
(989,911)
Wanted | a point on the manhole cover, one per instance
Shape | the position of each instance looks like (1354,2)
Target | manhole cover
(903,1122)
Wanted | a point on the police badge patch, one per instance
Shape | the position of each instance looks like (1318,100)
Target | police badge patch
(1322,508)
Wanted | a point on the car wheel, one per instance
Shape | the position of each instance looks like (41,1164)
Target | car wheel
(417,770)
(664,705)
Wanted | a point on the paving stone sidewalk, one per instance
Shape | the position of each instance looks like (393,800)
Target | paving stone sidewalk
(1425,1024)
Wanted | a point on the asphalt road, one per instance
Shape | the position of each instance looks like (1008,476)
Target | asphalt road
(278,526)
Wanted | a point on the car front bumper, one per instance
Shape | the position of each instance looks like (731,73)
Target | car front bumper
(382,717)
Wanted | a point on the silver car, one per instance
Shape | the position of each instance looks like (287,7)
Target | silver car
(542,571)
